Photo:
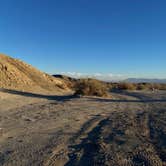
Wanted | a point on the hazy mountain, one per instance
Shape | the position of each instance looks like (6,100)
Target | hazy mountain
(139,80)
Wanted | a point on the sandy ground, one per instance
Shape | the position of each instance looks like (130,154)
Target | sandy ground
(51,130)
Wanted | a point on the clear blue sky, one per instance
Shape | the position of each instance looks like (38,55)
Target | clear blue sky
(125,37)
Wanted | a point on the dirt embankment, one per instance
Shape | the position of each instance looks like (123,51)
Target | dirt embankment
(15,74)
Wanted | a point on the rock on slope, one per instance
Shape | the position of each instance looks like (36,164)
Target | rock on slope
(15,74)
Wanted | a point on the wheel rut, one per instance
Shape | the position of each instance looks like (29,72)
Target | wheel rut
(63,154)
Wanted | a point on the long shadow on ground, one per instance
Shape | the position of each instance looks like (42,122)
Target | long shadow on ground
(139,98)
(132,94)
(69,97)
(89,147)
(127,101)
(29,94)
(116,141)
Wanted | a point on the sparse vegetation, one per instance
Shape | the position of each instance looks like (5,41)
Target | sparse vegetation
(90,87)
(77,84)
(136,86)
(127,86)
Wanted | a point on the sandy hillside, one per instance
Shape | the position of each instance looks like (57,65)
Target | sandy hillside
(15,74)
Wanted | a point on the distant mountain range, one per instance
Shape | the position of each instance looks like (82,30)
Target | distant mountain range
(139,80)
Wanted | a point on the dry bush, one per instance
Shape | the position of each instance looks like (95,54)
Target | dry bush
(127,86)
(90,87)
(151,86)
(144,86)
(136,86)
(112,86)
(141,86)
(162,87)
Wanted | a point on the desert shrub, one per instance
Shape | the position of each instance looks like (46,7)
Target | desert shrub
(151,86)
(162,87)
(141,86)
(109,86)
(136,86)
(90,87)
(127,86)
(112,86)
(145,86)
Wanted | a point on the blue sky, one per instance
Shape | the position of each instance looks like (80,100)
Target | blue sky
(119,37)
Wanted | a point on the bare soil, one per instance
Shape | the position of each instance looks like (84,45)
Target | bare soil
(48,130)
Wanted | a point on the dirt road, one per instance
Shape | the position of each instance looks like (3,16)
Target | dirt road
(55,131)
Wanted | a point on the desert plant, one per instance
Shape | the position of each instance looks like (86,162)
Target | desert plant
(127,86)
(90,87)
(162,87)
(141,86)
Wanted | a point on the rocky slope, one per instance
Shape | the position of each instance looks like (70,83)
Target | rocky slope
(15,74)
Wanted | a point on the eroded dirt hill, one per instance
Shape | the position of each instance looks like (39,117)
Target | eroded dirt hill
(15,74)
